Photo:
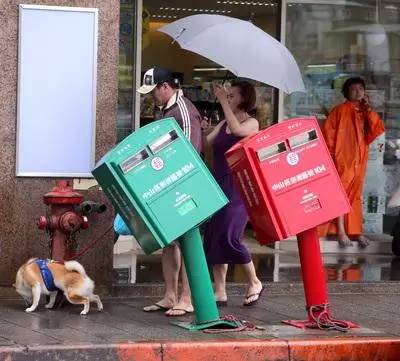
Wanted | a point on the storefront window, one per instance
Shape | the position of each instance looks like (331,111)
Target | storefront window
(333,40)
(195,72)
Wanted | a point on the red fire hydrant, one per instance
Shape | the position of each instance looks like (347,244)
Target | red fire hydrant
(65,217)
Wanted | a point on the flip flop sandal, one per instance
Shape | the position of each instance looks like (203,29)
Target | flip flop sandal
(181,313)
(221,303)
(155,308)
(254,302)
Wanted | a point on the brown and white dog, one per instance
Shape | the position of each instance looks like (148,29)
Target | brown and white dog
(69,278)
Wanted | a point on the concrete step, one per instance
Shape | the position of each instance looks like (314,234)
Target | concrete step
(381,244)
(273,288)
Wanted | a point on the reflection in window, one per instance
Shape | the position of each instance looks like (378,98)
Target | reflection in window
(332,42)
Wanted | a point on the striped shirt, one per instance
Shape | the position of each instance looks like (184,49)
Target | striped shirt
(187,116)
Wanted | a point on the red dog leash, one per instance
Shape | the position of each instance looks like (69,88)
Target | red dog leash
(88,247)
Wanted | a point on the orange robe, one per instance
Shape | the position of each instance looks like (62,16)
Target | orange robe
(348,144)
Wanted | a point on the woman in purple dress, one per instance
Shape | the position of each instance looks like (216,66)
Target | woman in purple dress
(223,234)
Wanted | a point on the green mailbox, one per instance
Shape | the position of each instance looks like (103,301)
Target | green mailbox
(163,191)
(158,184)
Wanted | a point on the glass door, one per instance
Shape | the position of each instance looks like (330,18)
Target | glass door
(333,40)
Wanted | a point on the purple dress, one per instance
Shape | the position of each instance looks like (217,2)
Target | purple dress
(223,232)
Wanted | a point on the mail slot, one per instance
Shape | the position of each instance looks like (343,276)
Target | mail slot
(287,179)
(158,184)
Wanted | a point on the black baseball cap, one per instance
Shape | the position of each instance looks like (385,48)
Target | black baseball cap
(153,77)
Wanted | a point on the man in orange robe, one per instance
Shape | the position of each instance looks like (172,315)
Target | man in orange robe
(348,131)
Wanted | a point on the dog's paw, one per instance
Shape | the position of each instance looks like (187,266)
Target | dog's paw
(100,308)
(83,313)
(30,309)
(49,306)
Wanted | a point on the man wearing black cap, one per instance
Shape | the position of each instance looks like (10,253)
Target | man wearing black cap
(165,91)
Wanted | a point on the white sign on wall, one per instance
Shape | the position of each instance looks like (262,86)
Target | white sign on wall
(57,66)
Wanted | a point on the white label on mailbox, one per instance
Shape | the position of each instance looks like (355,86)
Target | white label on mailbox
(166,182)
(157,163)
(284,183)
(292,158)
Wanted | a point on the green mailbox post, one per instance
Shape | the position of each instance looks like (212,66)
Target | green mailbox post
(163,191)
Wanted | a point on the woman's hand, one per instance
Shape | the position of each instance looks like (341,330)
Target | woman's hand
(365,103)
(365,100)
(220,93)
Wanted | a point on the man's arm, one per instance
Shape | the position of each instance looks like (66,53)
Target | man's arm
(182,116)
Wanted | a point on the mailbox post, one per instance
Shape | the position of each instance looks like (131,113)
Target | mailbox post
(163,191)
(289,184)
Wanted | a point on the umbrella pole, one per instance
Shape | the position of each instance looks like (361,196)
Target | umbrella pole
(214,106)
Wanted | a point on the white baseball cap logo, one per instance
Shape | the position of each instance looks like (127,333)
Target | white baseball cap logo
(148,79)
(292,158)
(157,163)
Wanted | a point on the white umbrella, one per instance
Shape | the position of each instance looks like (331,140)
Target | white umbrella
(241,47)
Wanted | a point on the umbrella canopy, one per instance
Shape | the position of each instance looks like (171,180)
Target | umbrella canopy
(241,47)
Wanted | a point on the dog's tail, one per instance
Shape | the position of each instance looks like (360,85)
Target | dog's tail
(75,266)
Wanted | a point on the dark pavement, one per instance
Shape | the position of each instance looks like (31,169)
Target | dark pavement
(124,332)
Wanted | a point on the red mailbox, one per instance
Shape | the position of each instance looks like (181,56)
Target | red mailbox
(290,185)
(287,179)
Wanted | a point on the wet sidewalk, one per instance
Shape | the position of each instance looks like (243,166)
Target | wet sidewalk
(124,332)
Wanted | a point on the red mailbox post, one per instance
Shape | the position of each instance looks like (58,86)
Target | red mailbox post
(289,184)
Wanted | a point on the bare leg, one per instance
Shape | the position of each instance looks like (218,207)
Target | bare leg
(343,238)
(186,297)
(53,296)
(185,300)
(219,272)
(255,285)
(171,263)
(35,298)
